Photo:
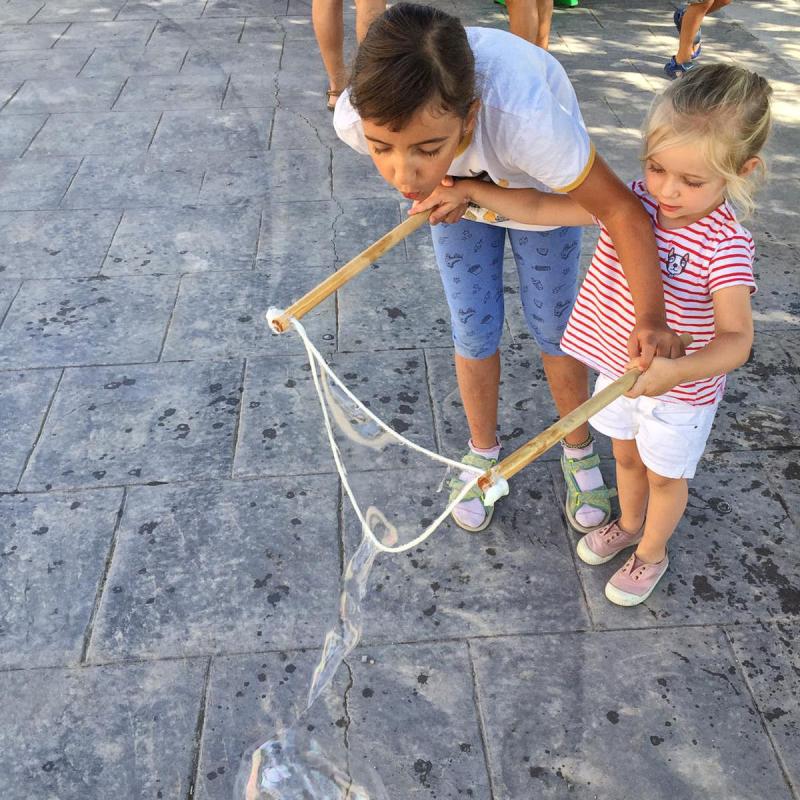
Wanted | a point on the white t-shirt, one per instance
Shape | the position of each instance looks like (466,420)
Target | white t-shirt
(529,132)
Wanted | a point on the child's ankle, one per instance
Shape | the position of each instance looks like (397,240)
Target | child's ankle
(630,525)
(651,556)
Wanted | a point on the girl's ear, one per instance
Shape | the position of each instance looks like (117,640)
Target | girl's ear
(469,122)
(750,165)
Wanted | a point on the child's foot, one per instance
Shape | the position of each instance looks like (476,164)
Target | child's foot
(634,582)
(588,504)
(674,69)
(603,544)
(677,18)
(471,513)
(332,96)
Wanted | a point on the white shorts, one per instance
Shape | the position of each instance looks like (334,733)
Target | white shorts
(670,437)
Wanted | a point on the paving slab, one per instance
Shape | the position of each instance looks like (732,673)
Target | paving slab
(221,316)
(225,131)
(280,406)
(17,132)
(120,425)
(161,9)
(31,37)
(776,305)
(34,183)
(102,34)
(53,95)
(54,244)
(250,699)
(20,11)
(733,558)
(74,321)
(441,758)
(558,725)
(221,567)
(24,398)
(95,134)
(135,182)
(761,406)
(251,91)
(783,473)
(516,577)
(244,8)
(8,291)
(77,11)
(253,57)
(298,129)
(200,32)
(54,555)
(163,92)
(355,176)
(124,731)
(768,658)
(277,175)
(125,62)
(20,65)
(188,239)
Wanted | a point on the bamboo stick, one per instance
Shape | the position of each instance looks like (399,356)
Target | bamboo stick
(540,444)
(352,268)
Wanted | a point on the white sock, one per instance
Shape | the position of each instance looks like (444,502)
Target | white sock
(587,479)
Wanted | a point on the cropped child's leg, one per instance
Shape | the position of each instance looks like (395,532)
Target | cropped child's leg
(690,25)
(668,498)
(632,485)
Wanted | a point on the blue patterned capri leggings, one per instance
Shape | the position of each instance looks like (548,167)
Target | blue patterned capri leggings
(470,259)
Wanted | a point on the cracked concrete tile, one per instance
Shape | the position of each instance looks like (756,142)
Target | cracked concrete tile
(282,430)
(250,699)
(24,398)
(226,131)
(131,182)
(34,183)
(168,92)
(120,425)
(515,577)
(95,134)
(391,696)
(272,29)
(250,91)
(123,62)
(216,318)
(769,661)
(116,731)
(734,557)
(20,11)
(53,558)
(296,129)
(8,291)
(776,305)
(188,239)
(561,713)
(244,8)
(54,244)
(277,175)
(355,176)
(78,321)
(316,247)
(221,567)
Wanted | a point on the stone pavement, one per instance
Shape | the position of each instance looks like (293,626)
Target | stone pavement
(172,526)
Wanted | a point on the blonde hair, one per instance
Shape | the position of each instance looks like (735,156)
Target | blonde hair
(724,110)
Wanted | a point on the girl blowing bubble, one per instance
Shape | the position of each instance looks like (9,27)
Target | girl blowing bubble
(702,141)
(428,99)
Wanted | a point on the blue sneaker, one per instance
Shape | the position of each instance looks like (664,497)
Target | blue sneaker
(677,18)
(674,69)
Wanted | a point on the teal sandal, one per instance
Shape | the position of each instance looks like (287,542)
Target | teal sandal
(596,498)
(456,484)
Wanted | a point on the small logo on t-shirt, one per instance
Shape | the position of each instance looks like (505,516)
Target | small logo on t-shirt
(675,263)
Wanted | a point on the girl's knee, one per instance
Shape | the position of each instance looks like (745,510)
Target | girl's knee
(657,481)
(626,455)
(477,342)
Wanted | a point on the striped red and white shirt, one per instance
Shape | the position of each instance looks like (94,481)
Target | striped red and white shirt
(713,253)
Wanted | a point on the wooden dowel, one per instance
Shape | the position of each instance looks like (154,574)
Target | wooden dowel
(540,444)
(342,275)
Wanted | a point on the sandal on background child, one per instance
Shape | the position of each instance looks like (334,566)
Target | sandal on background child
(687,19)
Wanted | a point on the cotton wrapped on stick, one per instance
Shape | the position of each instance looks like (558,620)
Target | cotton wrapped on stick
(281,322)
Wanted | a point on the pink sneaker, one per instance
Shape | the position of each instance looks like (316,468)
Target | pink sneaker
(603,544)
(634,582)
